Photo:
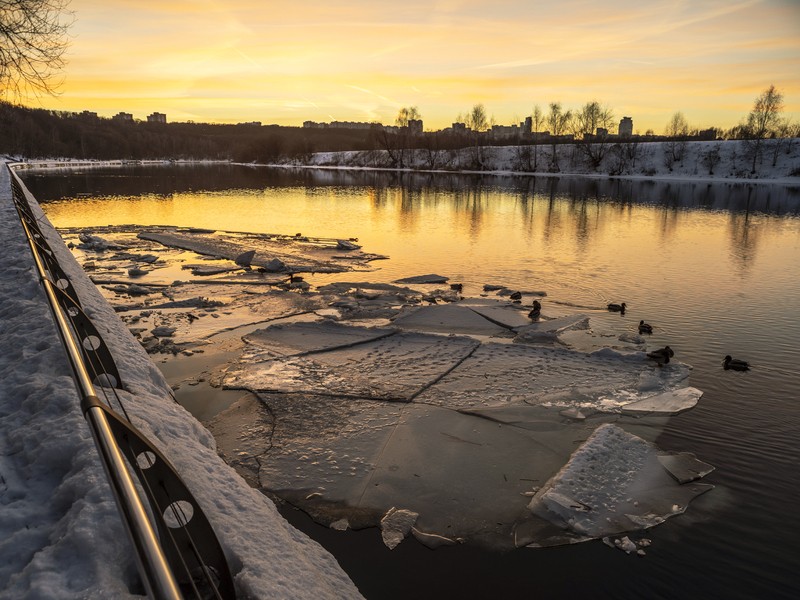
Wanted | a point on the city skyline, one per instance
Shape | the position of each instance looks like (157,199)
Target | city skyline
(285,63)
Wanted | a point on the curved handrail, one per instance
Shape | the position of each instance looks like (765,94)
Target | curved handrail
(188,543)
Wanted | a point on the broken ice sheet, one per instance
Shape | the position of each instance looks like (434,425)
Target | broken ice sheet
(614,482)
(485,427)
(391,368)
(299,255)
(501,374)
(300,338)
(449,318)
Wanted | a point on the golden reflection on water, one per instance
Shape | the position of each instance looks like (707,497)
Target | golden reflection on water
(590,250)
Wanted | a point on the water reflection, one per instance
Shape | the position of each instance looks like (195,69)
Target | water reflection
(417,187)
(520,225)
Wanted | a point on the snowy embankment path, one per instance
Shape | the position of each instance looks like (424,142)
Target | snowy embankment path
(60,533)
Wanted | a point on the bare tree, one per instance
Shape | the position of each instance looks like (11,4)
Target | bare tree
(590,126)
(711,158)
(763,121)
(677,130)
(537,120)
(406,114)
(477,119)
(557,120)
(33,40)
(478,122)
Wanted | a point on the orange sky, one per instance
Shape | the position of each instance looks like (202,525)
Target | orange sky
(284,62)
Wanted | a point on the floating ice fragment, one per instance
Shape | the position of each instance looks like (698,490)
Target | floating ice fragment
(430,278)
(684,467)
(667,403)
(341,525)
(614,482)
(396,525)
(431,540)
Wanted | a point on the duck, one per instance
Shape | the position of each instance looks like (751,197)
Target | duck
(537,310)
(516,296)
(457,287)
(620,308)
(735,364)
(645,327)
(662,355)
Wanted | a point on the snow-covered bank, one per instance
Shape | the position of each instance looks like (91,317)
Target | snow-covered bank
(60,534)
(778,160)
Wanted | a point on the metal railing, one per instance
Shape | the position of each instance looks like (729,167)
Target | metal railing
(181,554)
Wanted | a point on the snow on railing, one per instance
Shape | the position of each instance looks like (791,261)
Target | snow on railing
(185,558)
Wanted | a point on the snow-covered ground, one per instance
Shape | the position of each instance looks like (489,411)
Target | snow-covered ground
(60,533)
(778,160)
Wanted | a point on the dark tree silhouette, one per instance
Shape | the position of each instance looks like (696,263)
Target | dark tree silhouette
(763,121)
(33,40)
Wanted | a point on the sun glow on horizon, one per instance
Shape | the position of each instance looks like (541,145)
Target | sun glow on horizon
(288,62)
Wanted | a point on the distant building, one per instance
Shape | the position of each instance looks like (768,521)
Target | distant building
(626,127)
(505,130)
(251,123)
(415,126)
(89,114)
(527,125)
(602,132)
(707,134)
(459,127)
(123,116)
(157,117)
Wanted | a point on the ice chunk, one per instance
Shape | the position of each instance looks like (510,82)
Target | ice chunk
(500,374)
(613,483)
(430,278)
(548,331)
(448,318)
(670,402)
(431,540)
(300,338)
(396,525)
(502,313)
(684,467)
(414,361)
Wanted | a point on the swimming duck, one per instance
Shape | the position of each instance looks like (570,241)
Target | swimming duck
(735,364)
(516,296)
(662,355)
(537,310)
(620,308)
(457,287)
(645,327)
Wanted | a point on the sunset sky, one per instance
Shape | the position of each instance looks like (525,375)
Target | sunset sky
(285,62)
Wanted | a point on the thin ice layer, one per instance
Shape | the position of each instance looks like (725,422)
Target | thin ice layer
(613,483)
(390,368)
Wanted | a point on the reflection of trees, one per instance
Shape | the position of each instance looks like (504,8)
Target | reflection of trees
(744,233)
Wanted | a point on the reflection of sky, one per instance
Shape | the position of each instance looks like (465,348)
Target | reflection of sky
(285,62)
(592,251)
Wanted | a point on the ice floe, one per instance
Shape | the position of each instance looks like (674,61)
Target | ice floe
(613,483)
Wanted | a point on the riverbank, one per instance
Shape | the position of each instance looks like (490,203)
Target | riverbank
(778,161)
(61,536)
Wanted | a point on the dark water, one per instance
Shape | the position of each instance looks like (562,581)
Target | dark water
(715,267)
